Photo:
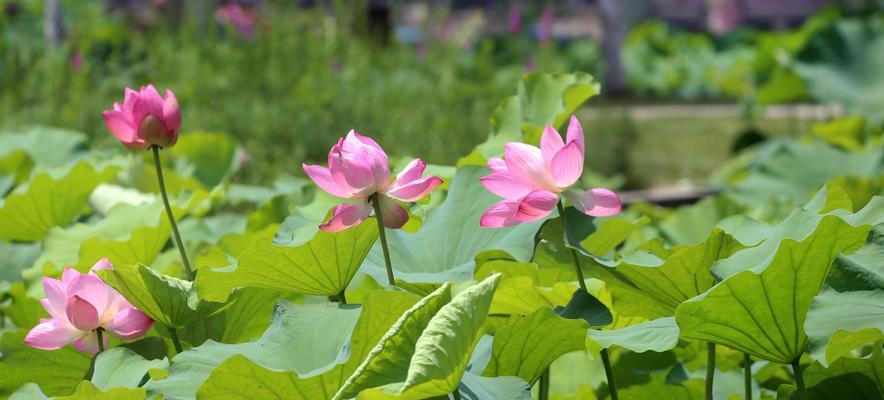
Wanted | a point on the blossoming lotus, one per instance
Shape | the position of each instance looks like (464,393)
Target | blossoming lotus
(145,119)
(78,305)
(530,180)
(358,169)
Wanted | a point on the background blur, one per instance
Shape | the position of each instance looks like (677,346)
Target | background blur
(685,83)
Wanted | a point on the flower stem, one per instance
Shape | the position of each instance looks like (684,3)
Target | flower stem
(175,340)
(606,359)
(100,333)
(799,379)
(710,368)
(543,393)
(376,203)
(747,375)
(178,242)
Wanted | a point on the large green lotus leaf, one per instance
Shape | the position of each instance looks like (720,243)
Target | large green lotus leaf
(211,229)
(658,388)
(302,338)
(379,312)
(324,265)
(138,232)
(521,295)
(212,156)
(655,290)
(857,317)
(445,247)
(595,239)
(657,335)
(862,269)
(847,378)
(15,167)
(57,372)
(121,367)
(48,147)
(800,224)
(388,361)
(792,171)
(244,320)
(88,391)
(477,387)
(763,313)
(167,300)
(541,99)
(442,352)
(49,199)
(526,347)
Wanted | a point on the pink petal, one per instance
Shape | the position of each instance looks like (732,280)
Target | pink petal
(527,161)
(89,344)
(411,172)
(146,102)
(414,190)
(323,178)
(536,205)
(103,264)
(97,293)
(122,129)
(68,277)
(567,165)
(81,314)
(171,115)
(130,323)
(575,134)
(367,150)
(347,215)
(51,334)
(353,170)
(56,297)
(501,214)
(598,202)
(496,164)
(550,143)
(508,186)
(393,215)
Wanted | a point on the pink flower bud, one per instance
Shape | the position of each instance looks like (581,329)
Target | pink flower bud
(145,119)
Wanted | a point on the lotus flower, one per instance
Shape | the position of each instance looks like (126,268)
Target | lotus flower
(530,180)
(79,304)
(145,119)
(357,170)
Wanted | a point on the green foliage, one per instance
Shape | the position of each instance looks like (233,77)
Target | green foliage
(324,265)
(450,238)
(49,199)
(170,301)
(56,372)
(761,311)
(526,347)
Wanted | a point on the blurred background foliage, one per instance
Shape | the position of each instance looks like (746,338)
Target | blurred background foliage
(294,78)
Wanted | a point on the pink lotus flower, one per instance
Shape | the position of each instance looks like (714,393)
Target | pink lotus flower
(145,119)
(530,180)
(79,304)
(358,169)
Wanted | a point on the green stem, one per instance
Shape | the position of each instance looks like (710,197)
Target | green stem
(710,368)
(544,385)
(175,340)
(456,394)
(609,373)
(747,375)
(178,242)
(100,333)
(342,298)
(376,203)
(606,359)
(799,379)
